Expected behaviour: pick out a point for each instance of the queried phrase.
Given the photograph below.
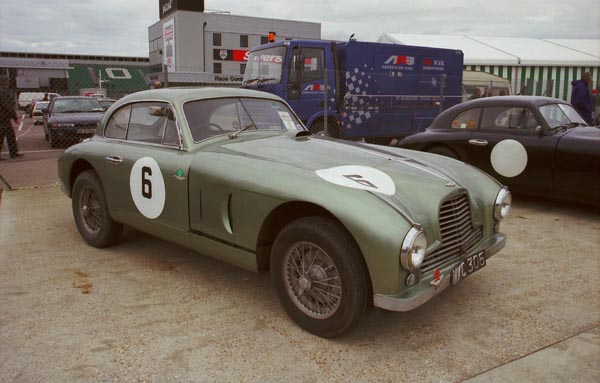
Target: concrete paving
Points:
(147, 310)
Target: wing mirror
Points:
(539, 131)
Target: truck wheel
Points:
(320, 277)
(444, 151)
(91, 212)
(318, 127)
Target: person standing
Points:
(8, 114)
(581, 97)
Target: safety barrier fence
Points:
(53, 115)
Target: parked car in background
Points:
(106, 102)
(38, 112)
(27, 100)
(535, 145)
(71, 118)
(234, 174)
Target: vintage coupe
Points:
(535, 145)
(234, 174)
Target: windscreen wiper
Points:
(235, 134)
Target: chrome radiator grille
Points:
(458, 233)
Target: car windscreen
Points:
(213, 117)
(265, 66)
(76, 105)
(557, 115)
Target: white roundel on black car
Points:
(359, 177)
(147, 187)
(509, 158)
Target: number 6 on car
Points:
(147, 187)
(233, 174)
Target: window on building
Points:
(216, 39)
(244, 41)
(217, 68)
(242, 68)
(264, 40)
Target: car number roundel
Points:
(147, 187)
(359, 177)
(509, 158)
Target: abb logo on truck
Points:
(400, 60)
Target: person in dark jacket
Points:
(8, 113)
(581, 97)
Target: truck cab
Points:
(358, 90)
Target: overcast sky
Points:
(120, 27)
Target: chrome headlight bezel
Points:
(502, 204)
(414, 248)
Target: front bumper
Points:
(421, 293)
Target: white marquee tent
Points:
(533, 66)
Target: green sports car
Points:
(234, 174)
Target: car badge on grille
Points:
(451, 184)
(437, 278)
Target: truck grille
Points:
(458, 233)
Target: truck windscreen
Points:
(265, 66)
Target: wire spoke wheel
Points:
(312, 280)
(90, 210)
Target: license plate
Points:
(86, 131)
(467, 267)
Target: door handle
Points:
(478, 142)
(114, 159)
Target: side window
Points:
(313, 64)
(117, 125)
(170, 137)
(507, 118)
(147, 122)
(467, 119)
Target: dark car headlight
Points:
(413, 249)
(502, 204)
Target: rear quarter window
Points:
(468, 119)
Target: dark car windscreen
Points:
(560, 114)
(213, 117)
(76, 105)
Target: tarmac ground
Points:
(146, 310)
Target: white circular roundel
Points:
(147, 187)
(359, 177)
(509, 158)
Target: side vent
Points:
(226, 213)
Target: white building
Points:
(533, 66)
(191, 45)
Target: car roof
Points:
(443, 120)
(182, 95)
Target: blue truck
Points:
(373, 90)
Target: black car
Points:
(535, 145)
(71, 118)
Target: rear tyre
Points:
(91, 212)
(318, 127)
(444, 151)
(320, 276)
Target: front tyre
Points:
(91, 212)
(320, 276)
